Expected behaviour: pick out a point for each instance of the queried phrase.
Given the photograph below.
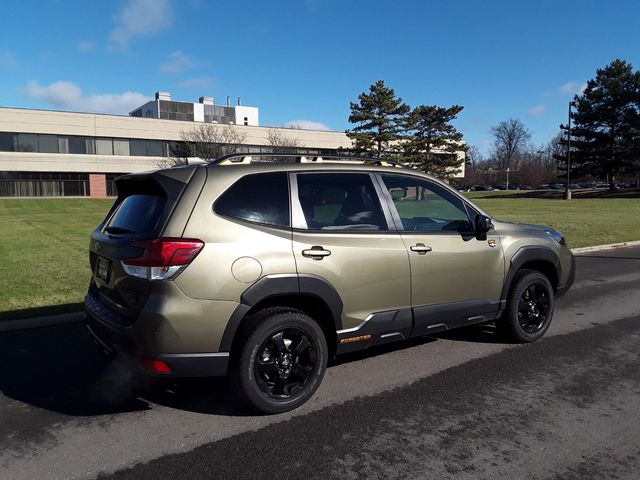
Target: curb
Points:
(611, 246)
(79, 317)
(41, 322)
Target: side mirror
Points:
(483, 224)
(398, 194)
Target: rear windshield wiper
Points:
(117, 230)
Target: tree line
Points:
(603, 143)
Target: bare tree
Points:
(277, 139)
(510, 139)
(206, 141)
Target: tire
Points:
(279, 360)
(529, 310)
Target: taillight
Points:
(163, 258)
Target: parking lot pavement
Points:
(461, 404)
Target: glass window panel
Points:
(27, 142)
(48, 143)
(77, 145)
(260, 198)
(104, 146)
(154, 148)
(138, 148)
(424, 206)
(7, 142)
(121, 146)
(63, 144)
(332, 201)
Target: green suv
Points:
(263, 271)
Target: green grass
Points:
(584, 222)
(44, 251)
(44, 259)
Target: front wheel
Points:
(529, 309)
(280, 360)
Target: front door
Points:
(456, 278)
(343, 235)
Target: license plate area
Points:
(103, 268)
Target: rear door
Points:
(145, 205)
(342, 234)
(456, 278)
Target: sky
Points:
(302, 62)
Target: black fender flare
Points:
(278, 285)
(524, 255)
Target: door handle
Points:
(421, 248)
(316, 252)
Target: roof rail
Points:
(247, 158)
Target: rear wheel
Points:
(529, 309)
(280, 360)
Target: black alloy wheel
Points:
(285, 362)
(533, 307)
(529, 308)
(279, 359)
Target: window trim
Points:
(468, 208)
(251, 222)
(299, 222)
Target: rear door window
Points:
(339, 201)
(137, 214)
(259, 198)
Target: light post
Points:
(567, 194)
(540, 153)
(507, 178)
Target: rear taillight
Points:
(163, 258)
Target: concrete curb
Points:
(611, 246)
(41, 322)
(79, 317)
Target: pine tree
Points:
(378, 118)
(432, 143)
(605, 135)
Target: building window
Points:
(27, 142)
(154, 148)
(121, 146)
(7, 142)
(138, 148)
(48, 143)
(104, 146)
(44, 184)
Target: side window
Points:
(424, 206)
(260, 198)
(339, 201)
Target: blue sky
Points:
(305, 60)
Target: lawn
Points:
(43, 243)
(43, 246)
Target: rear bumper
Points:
(113, 340)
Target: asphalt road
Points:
(460, 405)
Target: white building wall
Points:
(250, 113)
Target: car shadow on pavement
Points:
(481, 333)
(59, 369)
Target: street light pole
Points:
(507, 178)
(568, 191)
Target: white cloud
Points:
(86, 46)
(178, 62)
(69, 96)
(199, 82)
(140, 18)
(573, 87)
(538, 110)
(306, 125)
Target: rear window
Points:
(260, 198)
(137, 214)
